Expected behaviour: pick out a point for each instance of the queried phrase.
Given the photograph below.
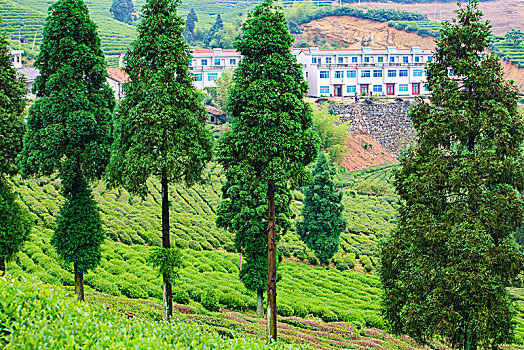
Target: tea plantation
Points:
(337, 307)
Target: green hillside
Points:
(28, 17)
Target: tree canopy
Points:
(122, 10)
(446, 266)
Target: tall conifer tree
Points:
(69, 129)
(160, 128)
(271, 140)
(446, 266)
(14, 222)
(243, 211)
(322, 221)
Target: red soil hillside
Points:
(352, 32)
(364, 151)
(503, 14)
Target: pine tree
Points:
(69, 129)
(160, 128)
(243, 211)
(271, 140)
(14, 223)
(322, 221)
(123, 10)
(190, 25)
(215, 28)
(445, 267)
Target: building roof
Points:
(117, 74)
(30, 73)
(214, 111)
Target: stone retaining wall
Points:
(388, 123)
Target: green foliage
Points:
(210, 301)
(79, 234)
(516, 36)
(445, 268)
(89, 326)
(167, 261)
(271, 137)
(322, 220)
(332, 133)
(211, 33)
(122, 10)
(224, 85)
(160, 126)
(243, 211)
(191, 19)
(15, 223)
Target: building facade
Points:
(336, 73)
(208, 65)
(366, 71)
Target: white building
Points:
(366, 71)
(338, 73)
(208, 65)
(16, 58)
(116, 78)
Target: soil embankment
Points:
(363, 152)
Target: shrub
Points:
(133, 291)
(284, 310)
(181, 296)
(210, 301)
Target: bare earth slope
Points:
(364, 151)
(503, 14)
(352, 32)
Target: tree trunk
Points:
(271, 265)
(260, 303)
(470, 343)
(167, 288)
(2, 267)
(79, 284)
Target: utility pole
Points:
(34, 41)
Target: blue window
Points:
(377, 74)
(341, 60)
(426, 87)
(197, 77)
(452, 73)
(212, 76)
(339, 74)
(324, 74)
(365, 74)
(430, 58)
(392, 59)
(403, 73)
(328, 59)
(204, 61)
(232, 61)
(354, 59)
(380, 59)
(405, 59)
(403, 88)
(313, 60)
(417, 59)
(217, 62)
(377, 88)
(417, 72)
(392, 73)
(351, 74)
(352, 89)
(366, 59)
(324, 89)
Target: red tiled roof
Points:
(118, 74)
